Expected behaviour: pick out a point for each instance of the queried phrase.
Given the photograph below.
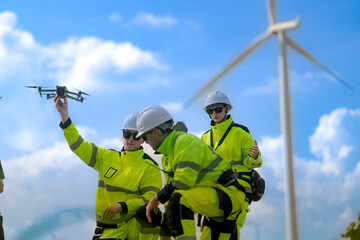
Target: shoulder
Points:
(236, 125)
(207, 132)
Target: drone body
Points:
(62, 92)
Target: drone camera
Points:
(61, 91)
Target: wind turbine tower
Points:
(279, 29)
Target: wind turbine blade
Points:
(299, 49)
(258, 41)
(271, 9)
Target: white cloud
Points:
(173, 106)
(348, 215)
(76, 62)
(114, 143)
(57, 156)
(152, 20)
(271, 152)
(328, 141)
(82, 61)
(115, 17)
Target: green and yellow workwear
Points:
(198, 181)
(232, 142)
(130, 178)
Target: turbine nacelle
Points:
(284, 26)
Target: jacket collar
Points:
(223, 125)
(166, 146)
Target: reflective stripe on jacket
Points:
(190, 160)
(125, 176)
(234, 148)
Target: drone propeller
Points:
(81, 99)
(81, 92)
(32, 86)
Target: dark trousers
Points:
(2, 237)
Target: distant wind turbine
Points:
(279, 29)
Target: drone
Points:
(62, 92)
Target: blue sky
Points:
(130, 55)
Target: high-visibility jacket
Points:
(2, 176)
(234, 148)
(190, 161)
(130, 178)
(195, 169)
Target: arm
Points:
(88, 152)
(250, 152)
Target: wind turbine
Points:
(279, 29)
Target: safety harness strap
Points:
(222, 138)
(224, 202)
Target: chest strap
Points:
(222, 138)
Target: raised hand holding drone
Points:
(62, 108)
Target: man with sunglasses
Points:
(127, 179)
(2, 176)
(234, 143)
(198, 180)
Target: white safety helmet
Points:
(130, 122)
(150, 118)
(215, 98)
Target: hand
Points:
(110, 211)
(1, 186)
(153, 204)
(254, 151)
(62, 108)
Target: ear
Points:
(156, 132)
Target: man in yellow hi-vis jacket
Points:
(2, 176)
(232, 142)
(127, 179)
(199, 180)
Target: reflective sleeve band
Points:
(93, 156)
(179, 185)
(75, 145)
(234, 163)
(110, 188)
(209, 168)
(247, 189)
(188, 164)
(144, 199)
(150, 188)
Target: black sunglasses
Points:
(127, 135)
(217, 110)
(144, 135)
